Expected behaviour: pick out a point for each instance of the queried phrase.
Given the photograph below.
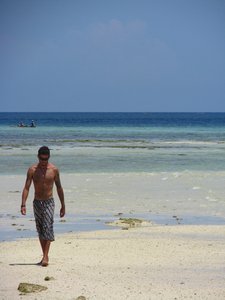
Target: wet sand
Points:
(164, 197)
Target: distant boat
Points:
(22, 125)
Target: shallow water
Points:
(115, 142)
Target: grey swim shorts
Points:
(44, 218)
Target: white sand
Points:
(159, 262)
(156, 262)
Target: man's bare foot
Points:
(44, 262)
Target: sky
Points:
(112, 55)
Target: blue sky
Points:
(112, 55)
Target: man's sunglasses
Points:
(43, 158)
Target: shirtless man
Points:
(43, 175)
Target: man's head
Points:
(44, 154)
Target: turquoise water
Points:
(114, 142)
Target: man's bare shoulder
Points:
(31, 170)
(33, 167)
(53, 167)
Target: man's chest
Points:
(46, 175)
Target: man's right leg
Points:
(45, 245)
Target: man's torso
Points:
(43, 179)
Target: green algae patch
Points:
(27, 288)
(132, 222)
(127, 223)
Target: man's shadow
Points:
(25, 264)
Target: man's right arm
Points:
(26, 190)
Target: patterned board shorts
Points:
(44, 218)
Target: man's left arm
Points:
(60, 193)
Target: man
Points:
(43, 175)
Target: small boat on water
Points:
(22, 125)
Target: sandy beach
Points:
(157, 262)
(180, 254)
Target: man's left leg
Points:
(45, 247)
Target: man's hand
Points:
(62, 211)
(23, 210)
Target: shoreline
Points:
(166, 198)
(18, 228)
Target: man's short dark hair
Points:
(44, 150)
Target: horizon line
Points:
(157, 112)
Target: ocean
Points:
(141, 164)
(114, 142)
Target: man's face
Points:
(43, 159)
